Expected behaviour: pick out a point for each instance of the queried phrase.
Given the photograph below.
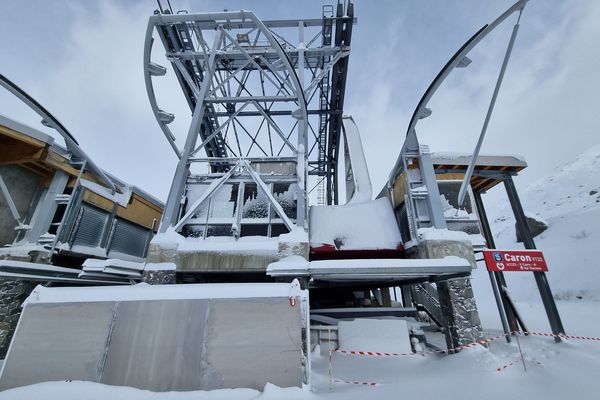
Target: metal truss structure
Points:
(424, 208)
(261, 93)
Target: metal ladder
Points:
(68, 200)
(417, 192)
(425, 298)
(324, 89)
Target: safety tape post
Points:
(330, 361)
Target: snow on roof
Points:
(370, 225)
(121, 199)
(93, 263)
(144, 291)
(297, 266)
(441, 234)
(164, 266)
(482, 159)
(25, 129)
(246, 244)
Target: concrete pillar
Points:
(159, 274)
(459, 310)
(12, 295)
(387, 297)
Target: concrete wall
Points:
(211, 261)
(457, 301)
(22, 185)
(12, 295)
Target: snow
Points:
(563, 201)
(21, 249)
(453, 156)
(370, 225)
(165, 266)
(143, 291)
(563, 374)
(374, 335)
(95, 264)
(296, 235)
(290, 263)
(441, 234)
(120, 198)
(451, 212)
(360, 173)
(89, 250)
(245, 245)
(296, 265)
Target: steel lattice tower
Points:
(261, 93)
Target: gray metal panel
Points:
(160, 345)
(129, 238)
(46, 207)
(22, 185)
(157, 345)
(253, 341)
(91, 226)
(57, 342)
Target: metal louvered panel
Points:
(90, 227)
(129, 238)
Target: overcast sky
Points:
(83, 61)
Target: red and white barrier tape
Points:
(375, 353)
(560, 335)
(502, 368)
(362, 383)
(466, 346)
(386, 354)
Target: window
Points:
(463, 218)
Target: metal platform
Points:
(372, 271)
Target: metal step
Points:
(63, 198)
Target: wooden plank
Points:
(38, 168)
(399, 190)
(450, 176)
(98, 201)
(141, 212)
(21, 137)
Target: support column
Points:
(457, 301)
(459, 312)
(507, 317)
(540, 277)
(46, 207)
(159, 273)
(387, 297)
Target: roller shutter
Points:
(92, 222)
(129, 238)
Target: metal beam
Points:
(467, 179)
(9, 200)
(540, 277)
(177, 187)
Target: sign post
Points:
(540, 277)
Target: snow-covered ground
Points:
(566, 200)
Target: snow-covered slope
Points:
(568, 199)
